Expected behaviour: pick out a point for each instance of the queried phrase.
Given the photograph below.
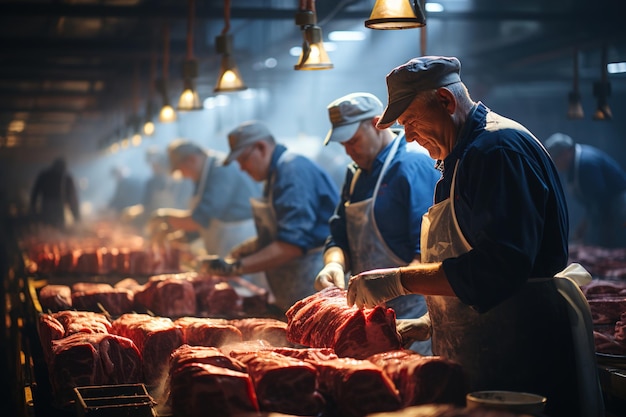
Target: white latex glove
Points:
(371, 288)
(577, 273)
(331, 275)
(412, 330)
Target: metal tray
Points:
(114, 401)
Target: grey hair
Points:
(458, 90)
(179, 149)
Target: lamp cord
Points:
(226, 17)
(190, 16)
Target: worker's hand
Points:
(412, 330)
(331, 275)
(157, 228)
(245, 248)
(371, 288)
(221, 266)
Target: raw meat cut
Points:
(82, 322)
(186, 354)
(112, 301)
(423, 379)
(325, 320)
(170, 295)
(155, 337)
(92, 359)
(283, 384)
(222, 299)
(606, 310)
(356, 388)
(55, 297)
(200, 390)
(199, 331)
(272, 330)
(306, 354)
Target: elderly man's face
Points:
(364, 146)
(429, 123)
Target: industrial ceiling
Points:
(72, 70)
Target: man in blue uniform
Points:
(219, 209)
(386, 191)
(291, 219)
(491, 245)
(598, 183)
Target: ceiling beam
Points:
(207, 11)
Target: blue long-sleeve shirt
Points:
(510, 207)
(405, 194)
(303, 197)
(226, 194)
(600, 178)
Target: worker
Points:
(219, 209)
(161, 190)
(291, 218)
(54, 198)
(598, 183)
(386, 191)
(494, 247)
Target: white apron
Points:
(220, 237)
(532, 330)
(163, 197)
(292, 281)
(368, 249)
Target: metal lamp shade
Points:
(314, 55)
(396, 14)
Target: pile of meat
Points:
(84, 348)
(325, 320)
(601, 262)
(170, 295)
(196, 364)
(255, 376)
(103, 260)
(607, 302)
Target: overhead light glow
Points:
(167, 114)
(616, 67)
(136, 139)
(295, 51)
(16, 126)
(346, 35)
(148, 128)
(434, 7)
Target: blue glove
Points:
(223, 267)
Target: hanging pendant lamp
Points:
(396, 14)
(602, 91)
(189, 99)
(167, 114)
(313, 55)
(229, 78)
(575, 108)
